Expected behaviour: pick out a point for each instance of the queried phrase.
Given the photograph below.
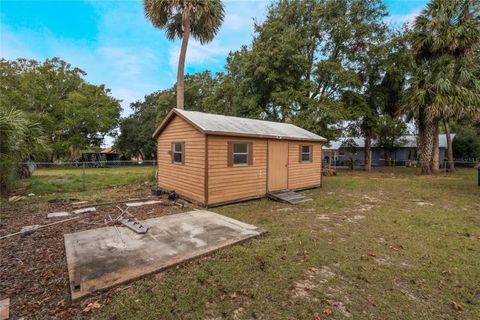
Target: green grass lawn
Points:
(378, 246)
(54, 180)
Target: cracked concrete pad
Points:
(101, 258)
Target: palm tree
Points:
(21, 140)
(445, 40)
(180, 18)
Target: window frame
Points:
(231, 153)
(301, 153)
(173, 152)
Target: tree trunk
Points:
(181, 62)
(368, 150)
(451, 165)
(435, 151)
(425, 137)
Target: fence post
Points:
(83, 176)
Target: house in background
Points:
(213, 159)
(106, 155)
(339, 152)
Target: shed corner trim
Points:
(169, 118)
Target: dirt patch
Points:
(370, 199)
(423, 203)
(365, 207)
(407, 290)
(318, 278)
(34, 271)
(387, 261)
(301, 288)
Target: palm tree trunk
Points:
(451, 165)
(425, 135)
(435, 151)
(181, 62)
(368, 150)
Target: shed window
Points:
(239, 153)
(305, 153)
(178, 152)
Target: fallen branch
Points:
(111, 203)
(41, 227)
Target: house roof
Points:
(410, 142)
(235, 126)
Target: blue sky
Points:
(115, 44)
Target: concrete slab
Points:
(101, 258)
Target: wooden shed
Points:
(213, 159)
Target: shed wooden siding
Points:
(238, 182)
(303, 174)
(186, 179)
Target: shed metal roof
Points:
(227, 125)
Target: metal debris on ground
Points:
(28, 229)
(144, 203)
(134, 225)
(107, 203)
(4, 309)
(85, 210)
(79, 203)
(123, 212)
(16, 198)
(58, 214)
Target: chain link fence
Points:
(49, 177)
(347, 164)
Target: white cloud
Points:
(237, 22)
(11, 47)
(401, 19)
(198, 54)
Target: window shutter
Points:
(183, 152)
(311, 153)
(250, 153)
(230, 154)
(300, 153)
(172, 146)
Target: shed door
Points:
(277, 165)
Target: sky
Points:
(117, 46)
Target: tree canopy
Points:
(73, 114)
